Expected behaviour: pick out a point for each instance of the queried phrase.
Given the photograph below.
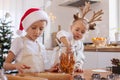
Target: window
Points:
(113, 18)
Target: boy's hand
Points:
(55, 68)
(21, 67)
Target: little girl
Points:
(72, 39)
(28, 54)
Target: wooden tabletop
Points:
(87, 73)
(16, 77)
(55, 76)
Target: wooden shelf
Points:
(102, 49)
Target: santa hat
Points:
(30, 16)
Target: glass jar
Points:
(96, 76)
(67, 60)
(78, 77)
(111, 77)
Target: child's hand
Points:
(79, 70)
(69, 49)
(21, 67)
(55, 68)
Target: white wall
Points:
(102, 27)
(65, 17)
(119, 13)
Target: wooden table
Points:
(16, 77)
(87, 73)
(54, 76)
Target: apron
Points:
(34, 60)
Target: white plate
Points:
(99, 70)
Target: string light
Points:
(52, 17)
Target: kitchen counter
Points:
(102, 56)
(102, 49)
(55, 76)
(41, 76)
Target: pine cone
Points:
(115, 62)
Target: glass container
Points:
(67, 60)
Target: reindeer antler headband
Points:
(95, 17)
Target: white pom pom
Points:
(19, 32)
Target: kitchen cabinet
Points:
(91, 60)
(94, 59)
(99, 59)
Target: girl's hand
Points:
(55, 68)
(79, 70)
(21, 67)
(69, 49)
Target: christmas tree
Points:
(5, 37)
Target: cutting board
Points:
(50, 76)
(11, 77)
